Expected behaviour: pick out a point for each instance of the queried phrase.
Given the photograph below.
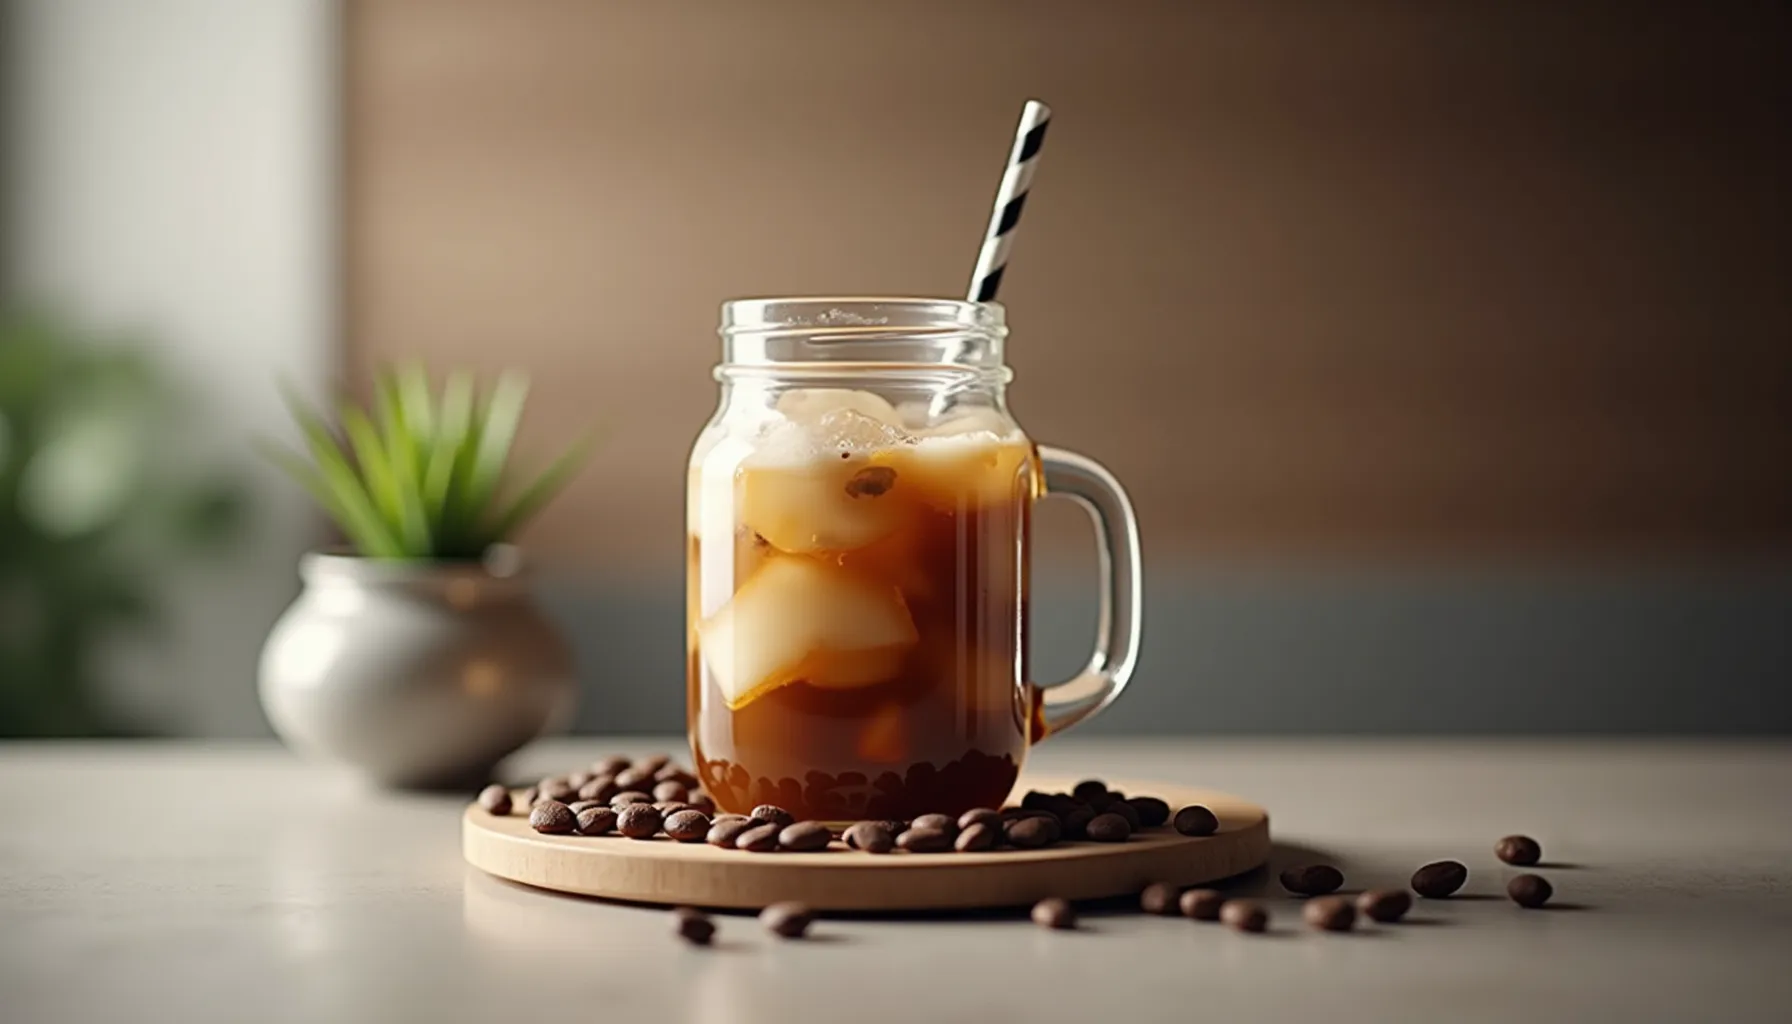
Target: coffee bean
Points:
(1076, 821)
(670, 790)
(924, 840)
(786, 920)
(759, 838)
(724, 833)
(1159, 898)
(528, 797)
(579, 805)
(1330, 914)
(1312, 879)
(635, 778)
(1438, 880)
(578, 779)
(871, 837)
(692, 926)
(495, 799)
(612, 765)
(558, 789)
(595, 821)
(1089, 788)
(1127, 811)
(1520, 850)
(938, 822)
(1036, 800)
(804, 837)
(981, 836)
(1384, 905)
(603, 787)
(638, 821)
(686, 826)
(629, 796)
(653, 763)
(1054, 913)
(668, 808)
(1032, 833)
(1152, 811)
(1244, 916)
(1530, 891)
(702, 802)
(1195, 820)
(1108, 827)
(772, 814)
(980, 815)
(552, 817)
(675, 773)
(1201, 904)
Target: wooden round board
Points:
(697, 874)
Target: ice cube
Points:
(800, 620)
(831, 504)
(974, 468)
(809, 405)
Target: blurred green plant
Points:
(419, 477)
(98, 508)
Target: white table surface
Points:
(190, 883)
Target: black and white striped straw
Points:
(1010, 198)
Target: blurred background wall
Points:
(1447, 349)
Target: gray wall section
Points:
(1272, 652)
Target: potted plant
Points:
(417, 655)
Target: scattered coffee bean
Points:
(786, 920)
(980, 815)
(1054, 913)
(1159, 898)
(1438, 880)
(579, 805)
(595, 821)
(772, 814)
(981, 836)
(1330, 913)
(1195, 820)
(529, 796)
(1127, 811)
(612, 765)
(653, 762)
(1384, 905)
(1108, 827)
(552, 817)
(759, 838)
(558, 789)
(603, 787)
(674, 773)
(1036, 800)
(495, 799)
(577, 780)
(1032, 833)
(1152, 811)
(724, 833)
(924, 840)
(1244, 916)
(1076, 821)
(629, 796)
(687, 826)
(1312, 879)
(1520, 850)
(871, 837)
(1530, 891)
(670, 790)
(668, 808)
(938, 822)
(702, 802)
(1201, 904)
(1089, 788)
(693, 926)
(638, 821)
(805, 837)
(635, 778)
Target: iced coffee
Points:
(857, 638)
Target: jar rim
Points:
(887, 330)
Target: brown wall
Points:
(1313, 279)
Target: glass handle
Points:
(1089, 484)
